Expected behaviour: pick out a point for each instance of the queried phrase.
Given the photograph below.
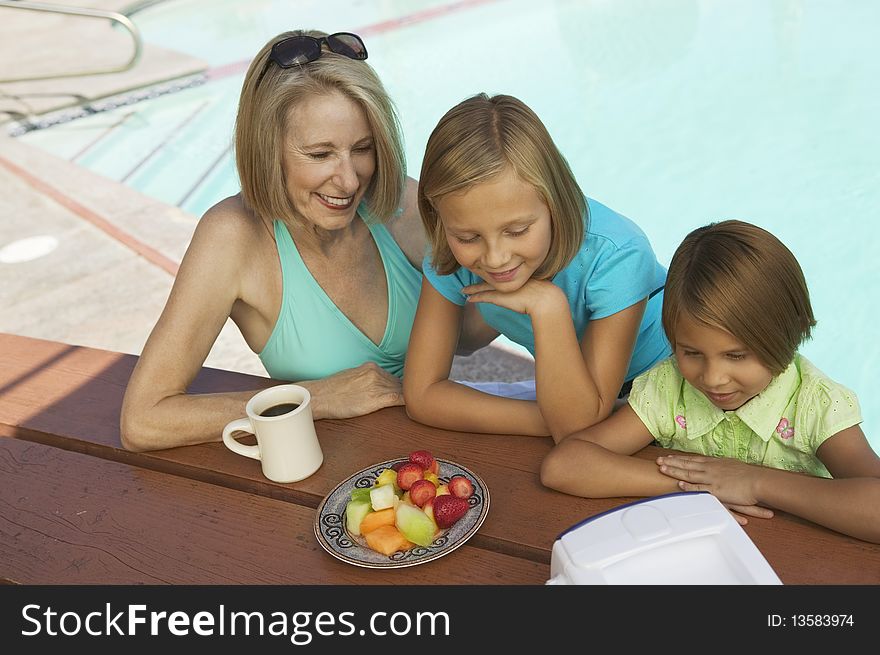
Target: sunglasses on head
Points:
(300, 50)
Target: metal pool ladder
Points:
(86, 12)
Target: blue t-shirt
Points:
(614, 269)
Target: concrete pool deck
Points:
(109, 253)
(24, 35)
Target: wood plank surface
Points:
(68, 518)
(70, 397)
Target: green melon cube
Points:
(355, 512)
(361, 493)
(415, 524)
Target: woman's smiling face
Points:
(329, 159)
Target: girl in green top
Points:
(770, 430)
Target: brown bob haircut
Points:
(264, 111)
(478, 139)
(740, 278)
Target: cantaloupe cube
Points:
(375, 520)
(387, 540)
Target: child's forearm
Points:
(583, 468)
(568, 395)
(447, 404)
(847, 505)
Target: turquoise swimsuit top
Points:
(313, 339)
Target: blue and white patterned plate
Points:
(335, 539)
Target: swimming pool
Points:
(673, 113)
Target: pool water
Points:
(673, 113)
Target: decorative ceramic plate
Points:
(336, 540)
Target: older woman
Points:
(316, 260)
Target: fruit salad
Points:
(407, 505)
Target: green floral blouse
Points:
(782, 427)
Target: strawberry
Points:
(422, 491)
(423, 458)
(460, 486)
(448, 509)
(407, 474)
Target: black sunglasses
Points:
(300, 50)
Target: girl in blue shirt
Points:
(571, 280)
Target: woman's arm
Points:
(598, 462)
(848, 503)
(156, 411)
(433, 399)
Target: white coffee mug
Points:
(287, 445)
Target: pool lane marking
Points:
(421, 16)
(103, 135)
(166, 140)
(238, 67)
(139, 247)
(204, 175)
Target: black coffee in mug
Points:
(278, 410)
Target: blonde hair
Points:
(740, 278)
(478, 139)
(263, 116)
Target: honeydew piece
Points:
(355, 512)
(382, 497)
(415, 525)
(375, 520)
(361, 493)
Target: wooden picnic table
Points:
(79, 509)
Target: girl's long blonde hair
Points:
(478, 139)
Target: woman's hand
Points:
(729, 480)
(530, 298)
(354, 392)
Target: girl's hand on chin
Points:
(477, 288)
(532, 297)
